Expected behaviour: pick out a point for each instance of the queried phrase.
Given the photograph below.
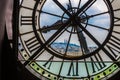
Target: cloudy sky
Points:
(98, 7)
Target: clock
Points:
(69, 39)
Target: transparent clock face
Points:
(70, 39)
(73, 41)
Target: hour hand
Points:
(82, 40)
(54, 26)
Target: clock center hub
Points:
(75, 20)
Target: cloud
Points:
(98, 7)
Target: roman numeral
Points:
(32, 44)
(49, 62)
(117, 19)
(73, 69)
(114, 46)
(97, 62)
(113, 50)
(115, 40)
(27, 20)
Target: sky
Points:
(98, 7)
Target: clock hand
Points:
(89, 34)
(82, 40)
(79, 32)
(57, 24)
(54, 26)
(98, 14)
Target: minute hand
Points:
(85, 7)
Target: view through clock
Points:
(70, 39)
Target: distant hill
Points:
(62, 47)
(72, 48)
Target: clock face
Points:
(70, 39)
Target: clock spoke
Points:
(37, 53)
(95, 15)
(68, 42)
(79, 4)
(62, 7)
(85, 7)
(99, 27)
(53, 14)
(57, 35)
